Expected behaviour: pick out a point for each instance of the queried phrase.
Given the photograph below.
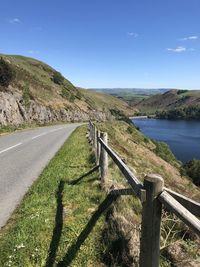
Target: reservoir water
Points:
(183, 137)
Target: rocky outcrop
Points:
(14, 112)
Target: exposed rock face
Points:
(14, 112)
(9, 109)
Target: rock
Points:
(9, 109)
(14, 112)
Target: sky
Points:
(108, 43)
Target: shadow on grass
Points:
(76, 181)
(77, 166)
(59, 218)
(73, 249)
(58, 227)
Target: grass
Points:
(104, 102)
(50, 226)
(13, 128)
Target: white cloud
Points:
(33, 52)
(133, 34)
(15, 20)
(193, 37)
(178, 49)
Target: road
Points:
(23, 156)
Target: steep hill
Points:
(144, 156)
(170, 100)
(41, 94)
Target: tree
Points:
(7, 74)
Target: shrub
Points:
(179, 92)
(192, 169)
(163, 151)
(119, 115)
(7, 74)
(130, 129)
(26, 96)
(79, 95)
(65, 93)
(58, 78)
(68, 95)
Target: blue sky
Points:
(108, 43)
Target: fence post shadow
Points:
(76, 181)
(73, 249)
(58, 227)
(57, 231)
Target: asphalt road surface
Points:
(23, 156)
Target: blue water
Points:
(183, 137)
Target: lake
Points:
(183, 137)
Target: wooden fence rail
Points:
(153, 195)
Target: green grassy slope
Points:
(102, 101)
(36, 77)
(170, 100)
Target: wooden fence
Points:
(153, 195)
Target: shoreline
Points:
(143, 117)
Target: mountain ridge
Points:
(170, 100)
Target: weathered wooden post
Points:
(95, 141)
(90, 131)
(151, 221)
(98, 147)
(103, 159)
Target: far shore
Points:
(143, 117)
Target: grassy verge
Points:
(20, 127)
(12, 128)
(49, 227)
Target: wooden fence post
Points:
(90, 131)
(151, 221)
(104, 159)
(98, 147)
(95, 141)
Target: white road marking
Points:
(51, 131)
(38, 136)
(56, 129)
(35, 137)
(9, 148)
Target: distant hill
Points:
(172, 99)
(131, 95)
(39, 93)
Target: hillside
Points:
(179, 246)
(38, 93)
(131, 95)
(170, 100)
